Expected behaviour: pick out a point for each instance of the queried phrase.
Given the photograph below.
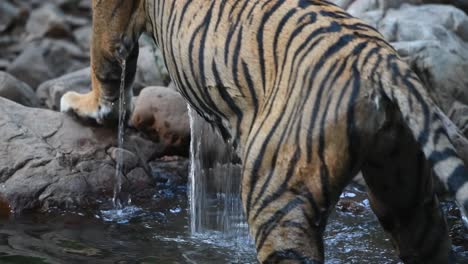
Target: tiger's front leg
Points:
(117, 26)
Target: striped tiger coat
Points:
(309, 95)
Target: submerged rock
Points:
(48, 159)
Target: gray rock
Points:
(17, 91)
(4, 64)
(8, 14)
(47, 59)
(48, 21)
(171, 172)
(431, 39)
(51, 91)
(151, 69)
(129, 160)
(47, 159)
(82, 36)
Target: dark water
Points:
(158, 232)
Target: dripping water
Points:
(215, 206)
(120, 140)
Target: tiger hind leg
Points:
(402, 196)
(288, 209)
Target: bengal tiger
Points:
(309, 96)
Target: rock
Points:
(51, 91)
(462, 4)
(433, 39)
(47, 59)
(47, 159)
(17, 91)
(434, 46)
(8, 14)
(170, 172)
(129, 160)
(82, 36)
(161, 113)
(48, 21)
(151, 69)
(459, 115)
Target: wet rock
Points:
(138, 180)
(48, 21)
(51, 91)
(161, 113)
(47, 59)
(17, 91)
(47, 159)
(129, 160)
(170, 171)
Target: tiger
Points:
(309, 96)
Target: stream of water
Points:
(120, 140)
(215, 206)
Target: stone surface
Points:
(17, 91)
(51, 91)
(432, 38)
(47, 59)
(435, 46)
(47, 159)
(48, 21)
(161, 113)
(151, 70)
(82, 36)
(8, 14)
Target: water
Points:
(215, 206)
(120, 140)
(156, 231)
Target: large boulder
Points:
(47, 159)
(17, 91)
(162, 114)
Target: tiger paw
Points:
(85, 106)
